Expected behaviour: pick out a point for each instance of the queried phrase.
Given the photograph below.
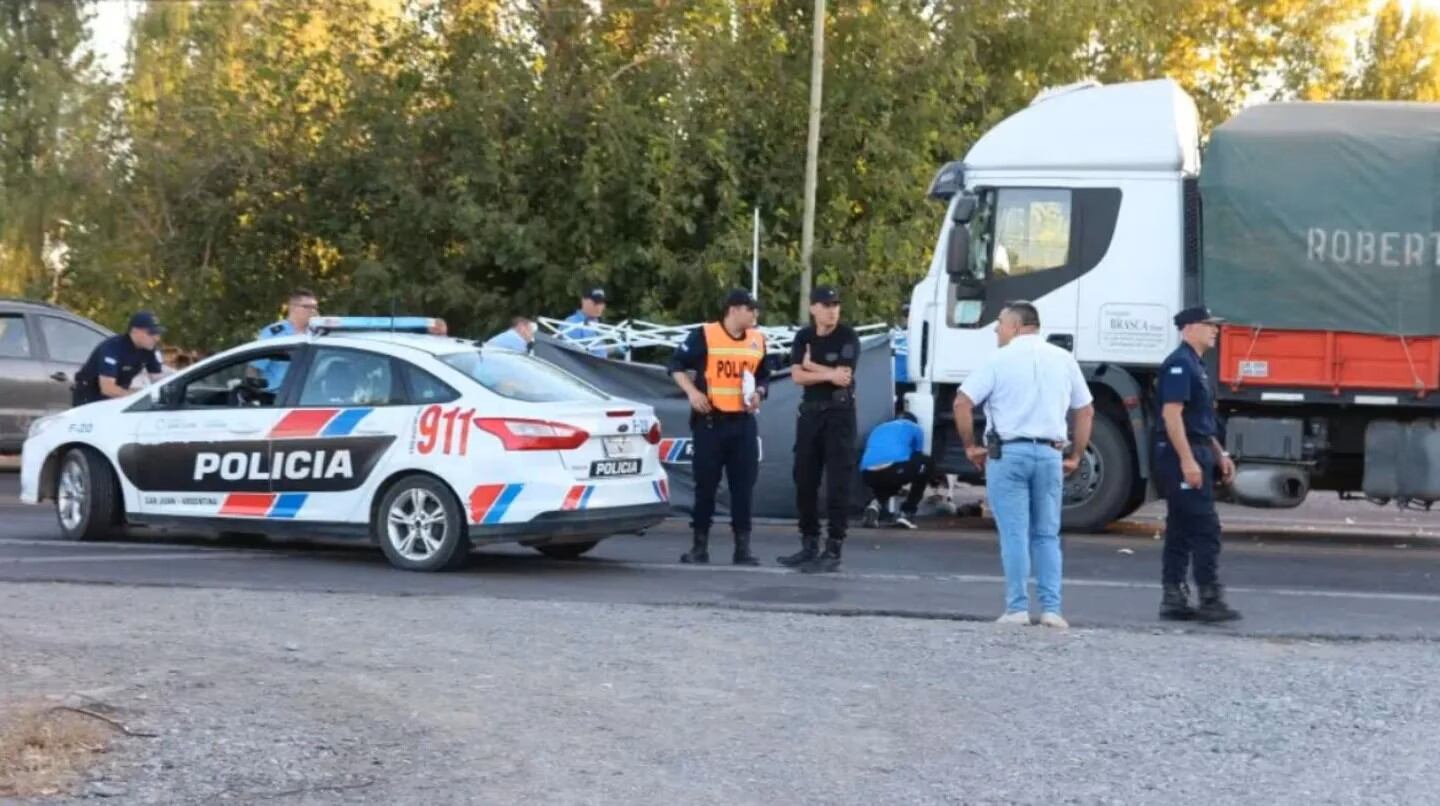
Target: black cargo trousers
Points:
(727, 443)
(824, 443)
(1192, 527)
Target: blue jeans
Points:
(1024, 490)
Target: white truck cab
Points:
(1085, 204)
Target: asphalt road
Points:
(1301, 573)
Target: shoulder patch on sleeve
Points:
(277, 328)
(1177, 370)
(110, 360)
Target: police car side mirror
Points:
(169, 395)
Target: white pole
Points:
(755, 259)
(812, 153)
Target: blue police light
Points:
(373, 324)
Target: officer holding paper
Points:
(732, 374)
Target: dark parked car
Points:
(41, 347)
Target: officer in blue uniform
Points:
(900, 350)
(1188, 459)
(722, 417)
(577, 325)
(299, 309)
(115, 362)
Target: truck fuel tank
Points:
(1402, 460)
(1270, 486)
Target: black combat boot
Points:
(809, 550)
(1212, 606)
(1175, 603)
(699, 553)
(742, 550)
(827, 563)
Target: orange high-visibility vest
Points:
(726, 360)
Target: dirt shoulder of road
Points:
(246, 697)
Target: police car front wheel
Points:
(421, 527)
(87, 497)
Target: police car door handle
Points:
(238, 428)
(59, 376)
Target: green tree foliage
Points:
(47, 95)
(1400, 59)
(478, 158)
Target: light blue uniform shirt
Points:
(577, 331)
(900, 347)
(509, 340)
(273, 371)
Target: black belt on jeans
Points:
(1032, 440)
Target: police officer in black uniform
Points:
(1188, 458)
(823, 358)
(115, 362)
(732, 374)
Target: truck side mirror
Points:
(957, 251)
(964, 209)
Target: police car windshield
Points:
(520, 377)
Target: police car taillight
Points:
(533, 435)
(653, 435)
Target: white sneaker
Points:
(1054, 620)
(872, 515)
(903, 521)
(1018, 618)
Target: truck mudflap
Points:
(1402, 461)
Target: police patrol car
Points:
(425, 444)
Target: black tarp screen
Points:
(775, 487)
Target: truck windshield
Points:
(520, 377)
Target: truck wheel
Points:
(566, 551)
(421, 527)
(1099, 491)
(87, 497)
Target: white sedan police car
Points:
(425, 444)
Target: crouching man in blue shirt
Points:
(895, 457)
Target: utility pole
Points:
(812, 154)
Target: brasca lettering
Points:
(258, 466)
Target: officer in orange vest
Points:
(731, 378)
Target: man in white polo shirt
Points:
(1028, 387)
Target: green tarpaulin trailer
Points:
(1324, 216)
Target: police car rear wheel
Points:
(86, 496)
(420, 526)
(566, 551)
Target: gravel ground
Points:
(325, 698)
